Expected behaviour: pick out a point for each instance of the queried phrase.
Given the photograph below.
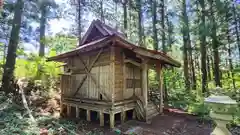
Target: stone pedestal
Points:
(222, 109)
(220, 128)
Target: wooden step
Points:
(140, 111)
(152, 111)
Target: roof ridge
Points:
(110, 30)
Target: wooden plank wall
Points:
(132, 72)
(137, 75)
(129, 91)
(100, 72)
(66, 83)
(133, 81)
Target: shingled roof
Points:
(100, 35)
(100, 30)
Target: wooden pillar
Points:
(123, 116)
(112, 69)
(101, 115)
(77, 112)
(134, 115)
(145, 84)
(68, 110)
(61, 108)
(160, 70)
(124, 74)
(88, 115)
(112, 120)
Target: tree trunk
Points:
(231, 66)
(79, 20)
(8, 77)
(140, 27)
(194, 80)
(42, 30)
(212, 63)
(154, 22)
(164, 49)
(125, 16)
(102, 12)
(170, 39)
(197, 63)
(162, 9)
(185, 45)
(209, 69)
(130, 5)
(4, 53)
(203, 46)
(236, 27)
(215, 47)
(230, 54)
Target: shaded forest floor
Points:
(15, 120)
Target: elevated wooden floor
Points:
(103, 107)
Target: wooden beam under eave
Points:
(132, 62)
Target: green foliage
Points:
(14, 120)
(61, 43)
(29, 67)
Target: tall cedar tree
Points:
(209, 68)
(140, 25)
(102, 11)
(170, 41)
(164, 48)
(185, 32)
(215, 44)
(125, 23)
(202, 34)
(236, 23)
(170, 36)
(162, 5)
(154, 23)
(153, 6)
(7, 79)
(131, 17)
(227, 19)
(43, 8)
(79, 19)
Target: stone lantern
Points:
(222, 110)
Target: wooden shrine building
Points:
(107, 74)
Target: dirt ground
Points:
(172, 122)
(168, 124)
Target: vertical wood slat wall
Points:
(108, 72)
(89, 89)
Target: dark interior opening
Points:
(72, 112)
(129, 115)
(100, 96)
(118, 118)
(106, 119)
(64, 111)
(94, 116)
(82, 114)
